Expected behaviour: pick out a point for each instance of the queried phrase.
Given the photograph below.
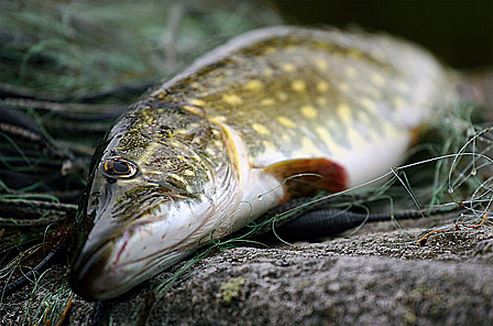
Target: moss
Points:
(409, 318)
(426, 301)
(231, 289)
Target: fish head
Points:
(150, 199)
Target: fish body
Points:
(273, 114)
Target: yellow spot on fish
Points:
(268, 102)
(286, 122)
(350, 72)
(369, 105)
(196, 102)
(327, 139)
(377, 79)
(353, 53)
(309, 111)
(322, 101)
(189, 173)
(177, 177)
(398, 103)
(181, 131)
(344, 112)
(391, 130)
(308, 146)
(260, 128)
(268, 72)
(210, 151)
(269, 146)
(232, 99)
(218, 80)
(322, 86)
(253, 85)
(193, 110)
(144, 170)
(355, 138)
(321, 64)
(270, 50)
(149, 152)
(219, 118)
(288, 67)
(298, 85)
(323, 133)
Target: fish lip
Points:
(98, 273)
(95, 278)
(84, 273)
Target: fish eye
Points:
(118, 168)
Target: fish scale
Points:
(359, 74)
(274, 114)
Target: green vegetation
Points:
(231, 290)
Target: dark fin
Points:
(319, 223)
(305, 176)
(326, 222)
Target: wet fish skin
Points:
(180, 162)
(275, 113)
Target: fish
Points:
(273, 114)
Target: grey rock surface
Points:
(381, 276)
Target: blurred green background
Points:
(458, 32)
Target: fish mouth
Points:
(98, 273)
(116, 257)
(85, 275)
(97, 276)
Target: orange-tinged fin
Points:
(417, 134)
(305, 176)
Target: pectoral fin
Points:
(305, 176)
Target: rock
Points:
(382, 277)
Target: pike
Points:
(274, 114)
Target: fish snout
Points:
(85, 274)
